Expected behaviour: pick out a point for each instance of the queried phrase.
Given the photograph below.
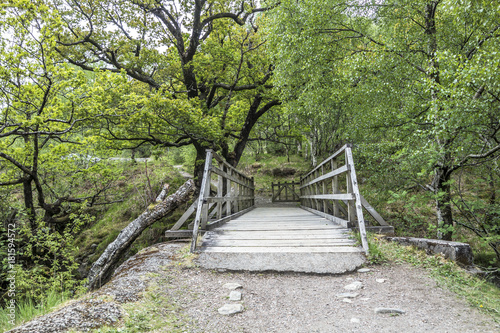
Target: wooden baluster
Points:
(323, 183)
(220, 191)
(229, 194)
(201, 199)
(351, 212)
(335, 189)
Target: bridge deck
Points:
(280, 239)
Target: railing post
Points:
(229, 194)
(359, 208)
(335, 189)
(252, 191)
(323, 184)
(201, 199)
(220, 191)
(351, 215)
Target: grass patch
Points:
(27, 310)
(261, 168)
(479, 293)
(155, 311)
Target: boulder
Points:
(459, 252)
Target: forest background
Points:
(86, 85)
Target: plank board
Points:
(278, 242)
(278, 228)
(284, 249)
(264, 236)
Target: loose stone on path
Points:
(356, 285)
(347, 295)
(363, 270)
(389, 310)
(229, 309)
(232, 286)
(235, 296)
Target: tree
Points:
(413, 76)
(201, 70)
(48, 164)
(44, 105)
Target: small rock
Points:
(356, 285)
(235, 295)
(363, 270)
(347, 295)
(380, 280)
(232, 286)
(229, 309)
(347, 300)
(355, 320)
(389, 310)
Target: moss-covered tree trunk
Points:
(101, 270)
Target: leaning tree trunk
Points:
(101, 270)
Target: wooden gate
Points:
(285, 192)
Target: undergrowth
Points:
(27, 309)
(155, 311)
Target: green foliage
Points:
(28, 309)
(415, 81)
(50, 264)
(155, 310)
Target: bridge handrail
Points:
(235, 193)
(315, 195)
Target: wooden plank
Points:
(181, 233)
(296, 227)
(220, 190)
(227, 165)
(185, 216)
(277, 242)
(338, 152)
(224, 199)
(228, 176)
(373, 212)
(223, 220)
(359, 209)
(338, 220)
(283, 249)
(338, 196)
(266, 235)
(201, 199)
(327, 176)
(286, 233)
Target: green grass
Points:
(478, 292)
(134, 190)
(155, 311)
(260, 167)
(27, 310)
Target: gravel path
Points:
(309, 303)
(271, 302)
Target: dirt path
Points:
(305, 303)
(272, 302)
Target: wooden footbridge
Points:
(230, 232)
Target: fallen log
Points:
(102, 269)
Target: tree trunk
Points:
(101, 270)
(28, 201)
(199, 165)
(443, 204)
(312, 152)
